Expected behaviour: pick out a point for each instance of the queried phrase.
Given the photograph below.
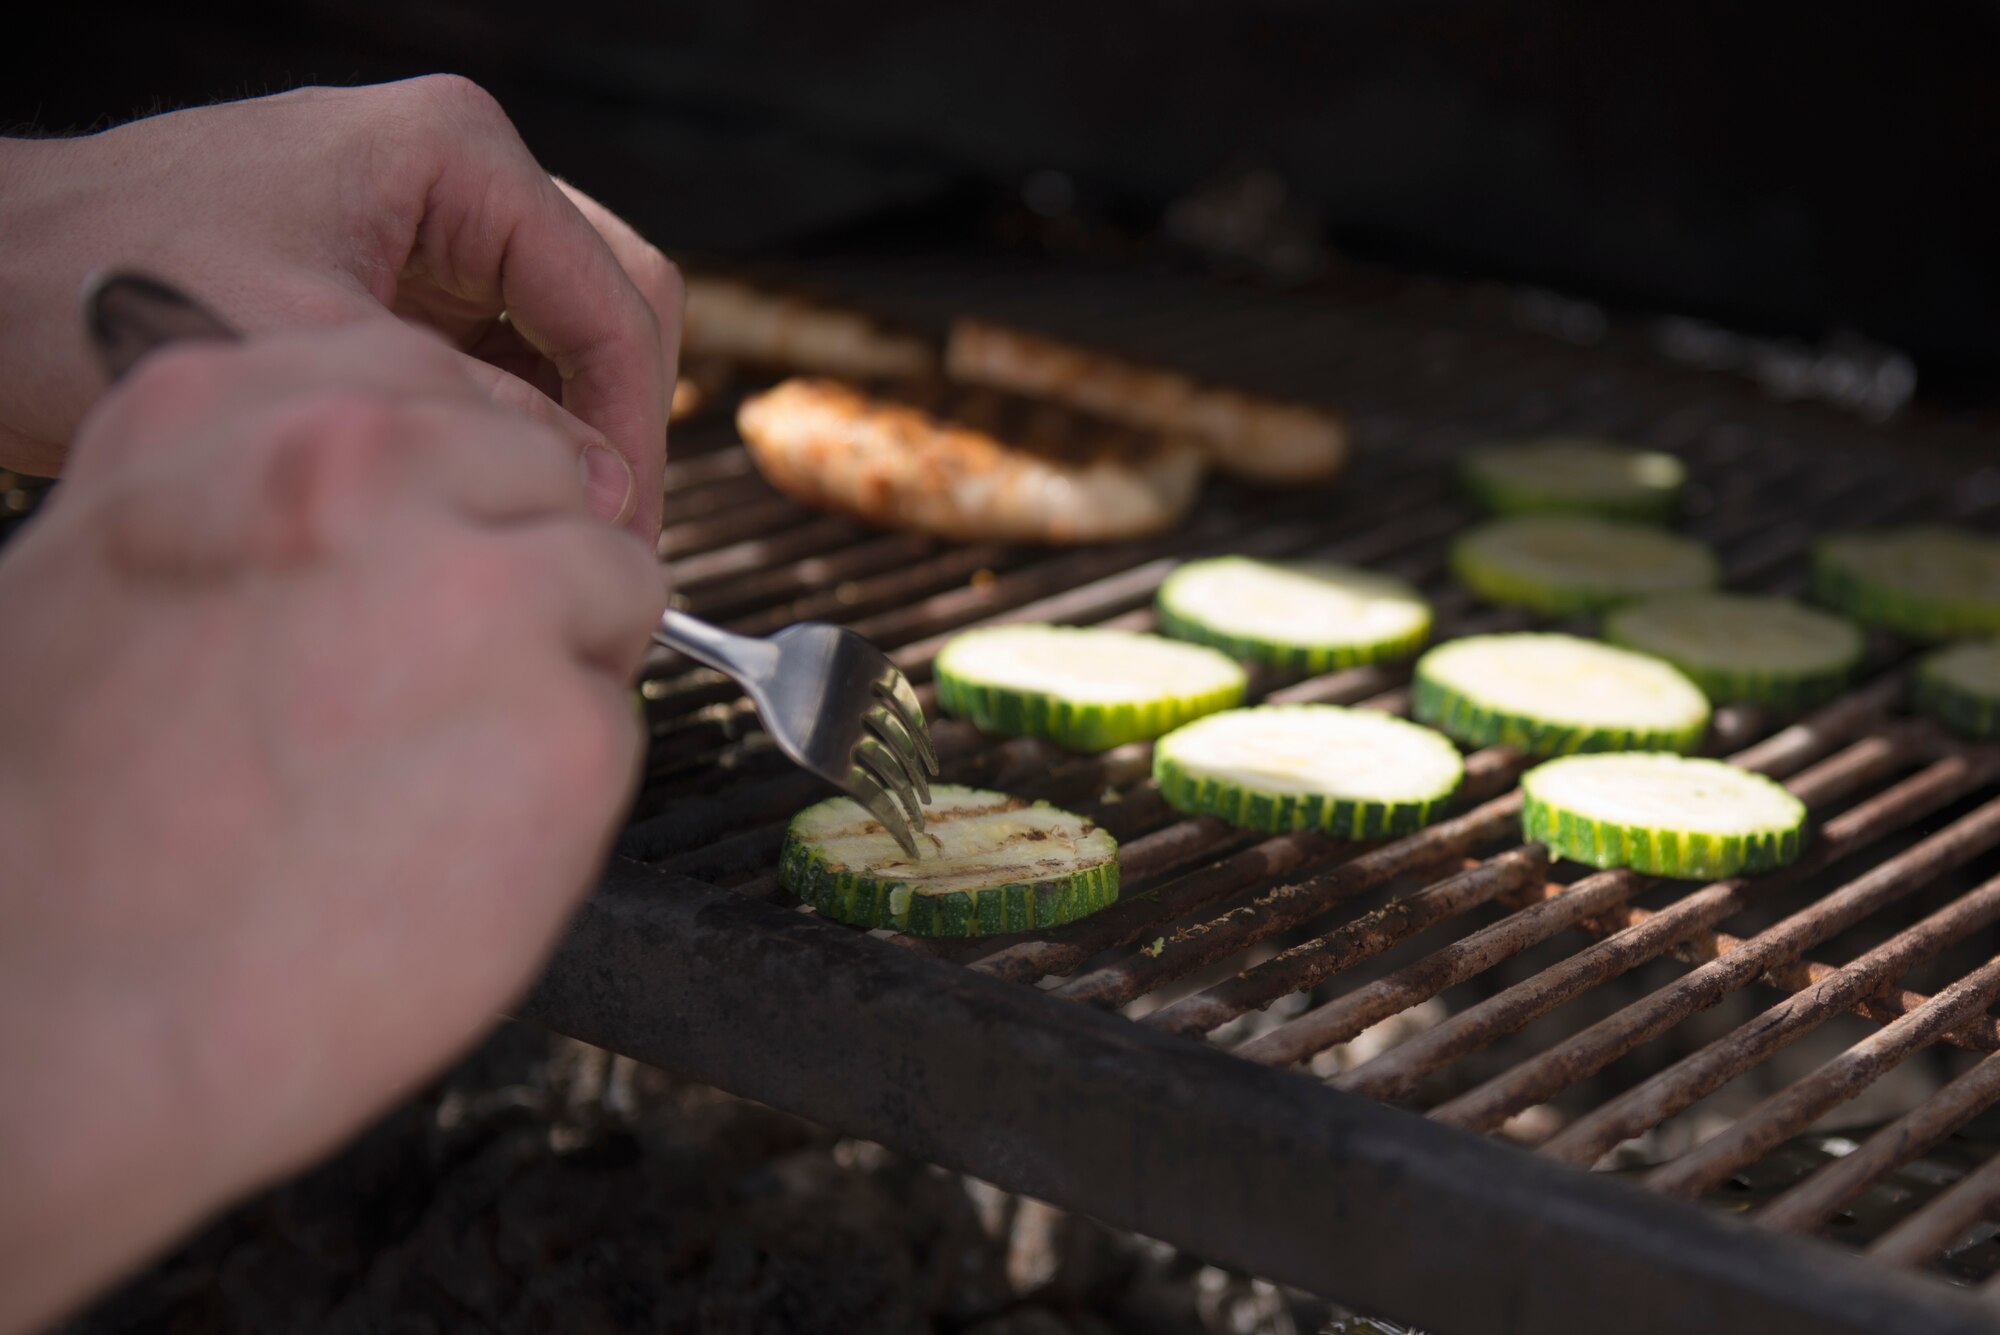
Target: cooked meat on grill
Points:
(1260, 439)
(968, 462)
(726, 318)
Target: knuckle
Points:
(459, 98)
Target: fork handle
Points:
(738, 656)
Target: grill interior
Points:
(1813, 1049)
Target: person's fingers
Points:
(497, 230)
(607, 477)
(658, 279)
(188, 389)
(326, 470)
(604, 590)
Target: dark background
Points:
(1794, 169)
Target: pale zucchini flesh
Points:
(1563, 564)
(1349, 773)
(1743, 648)
(1960, 687)
(1083, 688)
(1664, 815)
(1554, 694)
(986, 863)
(1573, 475)
(1927, 582)
(1303, 616)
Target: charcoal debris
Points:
(543, 1184)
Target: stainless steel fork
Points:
(834, 705)
(829, 699)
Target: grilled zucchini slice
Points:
(1561, 564)
(1553, 694)
(1664, 815)
(1926, 581)
(1961, 686)
(1744, 649)
(986, 863)
(1350, 773)
(1083, 688)
(1573, 475)
(1307, 616)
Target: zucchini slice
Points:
(1663, 815)
(1083, 688)
(1552, 694)
(1926, 581)
(1744, 649)
(1573, 475)
(1309, 616)
(1961, 687)
(1560, 564)
(986, 863)
(1350, 773)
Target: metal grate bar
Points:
(1789, 1111)
(1396, 1072)
(1341, 1019)
(1823, 1195)
(1681, 1084)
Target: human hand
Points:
(332, 205)
(316, 723)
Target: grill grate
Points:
(1582, 1015)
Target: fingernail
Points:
(607, 482)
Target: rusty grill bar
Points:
(1575, 1000)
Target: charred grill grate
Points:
(1684, 1034)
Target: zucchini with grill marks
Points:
(1083, 688)
(1562, 564)
(1553, 694)
(1744, 649)
(1307, 616)
(987, 863)
(1573, 475)
(1664, 815)
(1960, 686)
(1349, 773)
(1927, 581)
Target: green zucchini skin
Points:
(1341, 818)
(1475, 725)
(853, 892)
(1072, 726)
(858, 900)
(1493, 490)
(1842, 583)
(1786, 691)
(1655, 852)
(1180, 620)
(1303, 658)
(1852, 594)
(1583, 590)
(1970, 713)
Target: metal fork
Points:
(834, 705)
(829, 698)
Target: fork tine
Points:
(881, 806)
(894, 687)
(887, 766)
(890, 728)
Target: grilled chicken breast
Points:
(1256, 438)
(726, 318)
(969, 462)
